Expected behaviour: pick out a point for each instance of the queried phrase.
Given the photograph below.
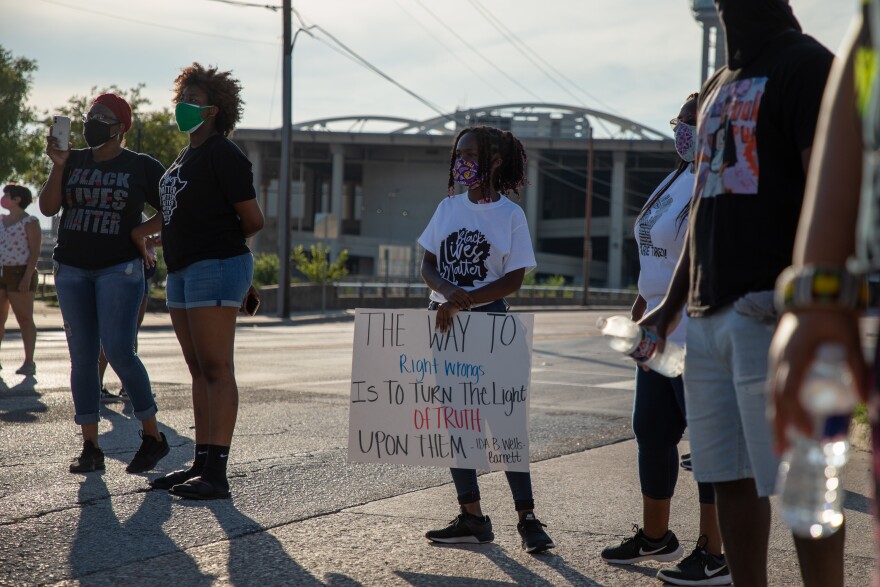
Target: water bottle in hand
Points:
(810, 475)
(629, 338)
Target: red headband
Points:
(118, 106)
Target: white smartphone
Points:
(61, 131)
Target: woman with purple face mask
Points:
(659, 409)
(477, 250)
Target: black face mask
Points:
(96, 133)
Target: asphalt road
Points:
(289, 456)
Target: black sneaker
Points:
(150, 453)
(174, 478)
(686, 462)
(465, 528)
(638, 548)
(699, 568)
(534, 539)
(91, 459)
(108, 397)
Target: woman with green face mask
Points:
(209, 209)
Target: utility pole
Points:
(284, 173)
(588, 217)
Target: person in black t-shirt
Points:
(740, 238)
(99, 269)
(209, 208)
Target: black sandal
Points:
(198, 488)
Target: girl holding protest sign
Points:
(477, 250)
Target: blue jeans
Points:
(100, 308)
(465, 480)
(659, 422)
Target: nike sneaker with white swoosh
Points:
(699, 568)
(639, 548)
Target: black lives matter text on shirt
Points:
(102, 202)
(198, 192)
(463, 257)
(755, 122)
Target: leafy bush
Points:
(266, 269)
(316, 265)
(555, 281)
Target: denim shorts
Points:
(211, 283)
(725, 378)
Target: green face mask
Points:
(189, 116)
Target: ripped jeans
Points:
(100, 307)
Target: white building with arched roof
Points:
(369, 184)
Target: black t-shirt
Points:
(198, 192)
(101, 204)
(754, 124)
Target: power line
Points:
(477, 53)
(449, 49)
(271, 7)
(164, 27)
(364, 63)
(520, 47)
(525, 50)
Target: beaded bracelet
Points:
(813, 286)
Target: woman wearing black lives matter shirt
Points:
(209, 207)
(99, 269)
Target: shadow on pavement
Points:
(256, 557)
(101, 541)
(21, 402)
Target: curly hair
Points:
(224, 92)
(491, 143)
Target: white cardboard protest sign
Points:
(457, 399)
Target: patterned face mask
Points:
(466, 173)
(686, 141)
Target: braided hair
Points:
(494, 143)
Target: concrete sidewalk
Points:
(48, 317)
(588, 500)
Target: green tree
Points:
(317, 268)
(21, 140)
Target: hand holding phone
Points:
(61, 131)
(251, 302)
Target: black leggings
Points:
(658, 422)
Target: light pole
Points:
(588, 217)
(284, 171)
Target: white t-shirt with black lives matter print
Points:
(476, 244)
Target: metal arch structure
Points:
(525, 119)
(356, 123)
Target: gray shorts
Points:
(725, 393)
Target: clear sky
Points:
(634, 58)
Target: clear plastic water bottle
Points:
(629, 338)
(810, 475)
